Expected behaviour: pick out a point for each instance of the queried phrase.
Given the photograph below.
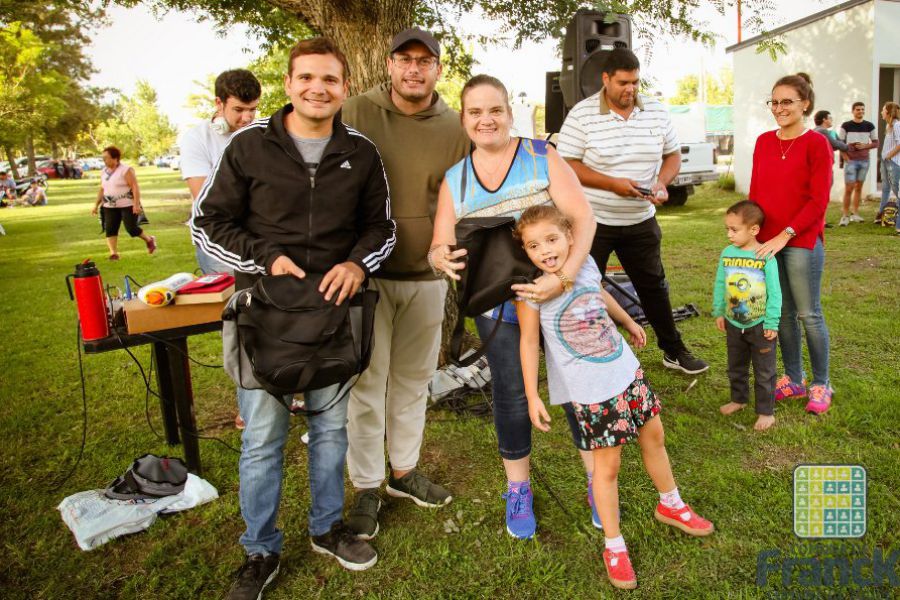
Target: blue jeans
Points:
(856, 171)
(890, 180)
(511, 419)
(209, 264)
(262, 458)
(800, 272)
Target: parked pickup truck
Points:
(698, 164)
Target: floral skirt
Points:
(614, 421)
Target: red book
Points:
(207, 284)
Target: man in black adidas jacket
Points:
(295, 193)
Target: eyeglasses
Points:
(426, 63)
(775, 104)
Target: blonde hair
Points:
(540, 214)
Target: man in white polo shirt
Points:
(237, 96)
(624, 150)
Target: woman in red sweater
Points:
(791, 181)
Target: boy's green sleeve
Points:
(773, 296)
(719, 290)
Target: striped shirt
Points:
(617, 147)
(892, 140)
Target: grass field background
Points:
(740, 479)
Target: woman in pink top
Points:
(121, 199)
(791, 182)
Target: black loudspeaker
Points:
(554, 107)
(589, 39)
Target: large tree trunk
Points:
(362, 30)
(12, 162)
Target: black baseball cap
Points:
(414, 34)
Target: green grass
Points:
(739, 479)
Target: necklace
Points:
(781, 146)
(492, 172)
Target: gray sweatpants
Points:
(746, 346)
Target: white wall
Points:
(836, 52)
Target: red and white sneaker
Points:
(819, 399)
(684, 519)
(785, 388)
(618, 569)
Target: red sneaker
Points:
(684, 519)
(151, 244)
(618, 569)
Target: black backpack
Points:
(292, 339)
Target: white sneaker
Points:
(845, 220)
(856, 219)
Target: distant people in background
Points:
(35, 195)
(890, 157)
(237, 96)
(824, 123)
(7, 190)
(861, 136)
(791, 181)
(121, 199)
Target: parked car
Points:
(175, 163)
(47, 168)
(163, 161)
(94, 163)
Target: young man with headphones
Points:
(237, 96)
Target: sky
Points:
(174, 50)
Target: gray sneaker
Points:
(362, 519)
(255, 574)
(419, 489)
(343, 545)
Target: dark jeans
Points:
(113, 218)
(638, 249)
(746, 346)
(511, 419)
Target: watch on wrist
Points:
(790, 231)
(566, 281)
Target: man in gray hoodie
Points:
(419, 137)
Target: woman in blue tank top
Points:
(504, 176)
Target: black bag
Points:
(148, 477)
(293, 340)
(495, 260)
(142, 218)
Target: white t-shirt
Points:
(588, 361)
(617, 147)
(201, 148)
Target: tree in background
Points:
(719, 90)
(44, 69)
(364, 28)
(137, 126)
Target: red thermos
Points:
(91, 301)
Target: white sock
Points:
(671, 499)
(616, 544)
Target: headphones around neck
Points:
(220, 126)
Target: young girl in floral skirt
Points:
(597, 379)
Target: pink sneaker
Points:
(785, 388)
(819, 399)
(684, 519)
(619, 570)
(151, 245)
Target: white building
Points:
(851, 52)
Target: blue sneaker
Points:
(595, 518)
(520, 522)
